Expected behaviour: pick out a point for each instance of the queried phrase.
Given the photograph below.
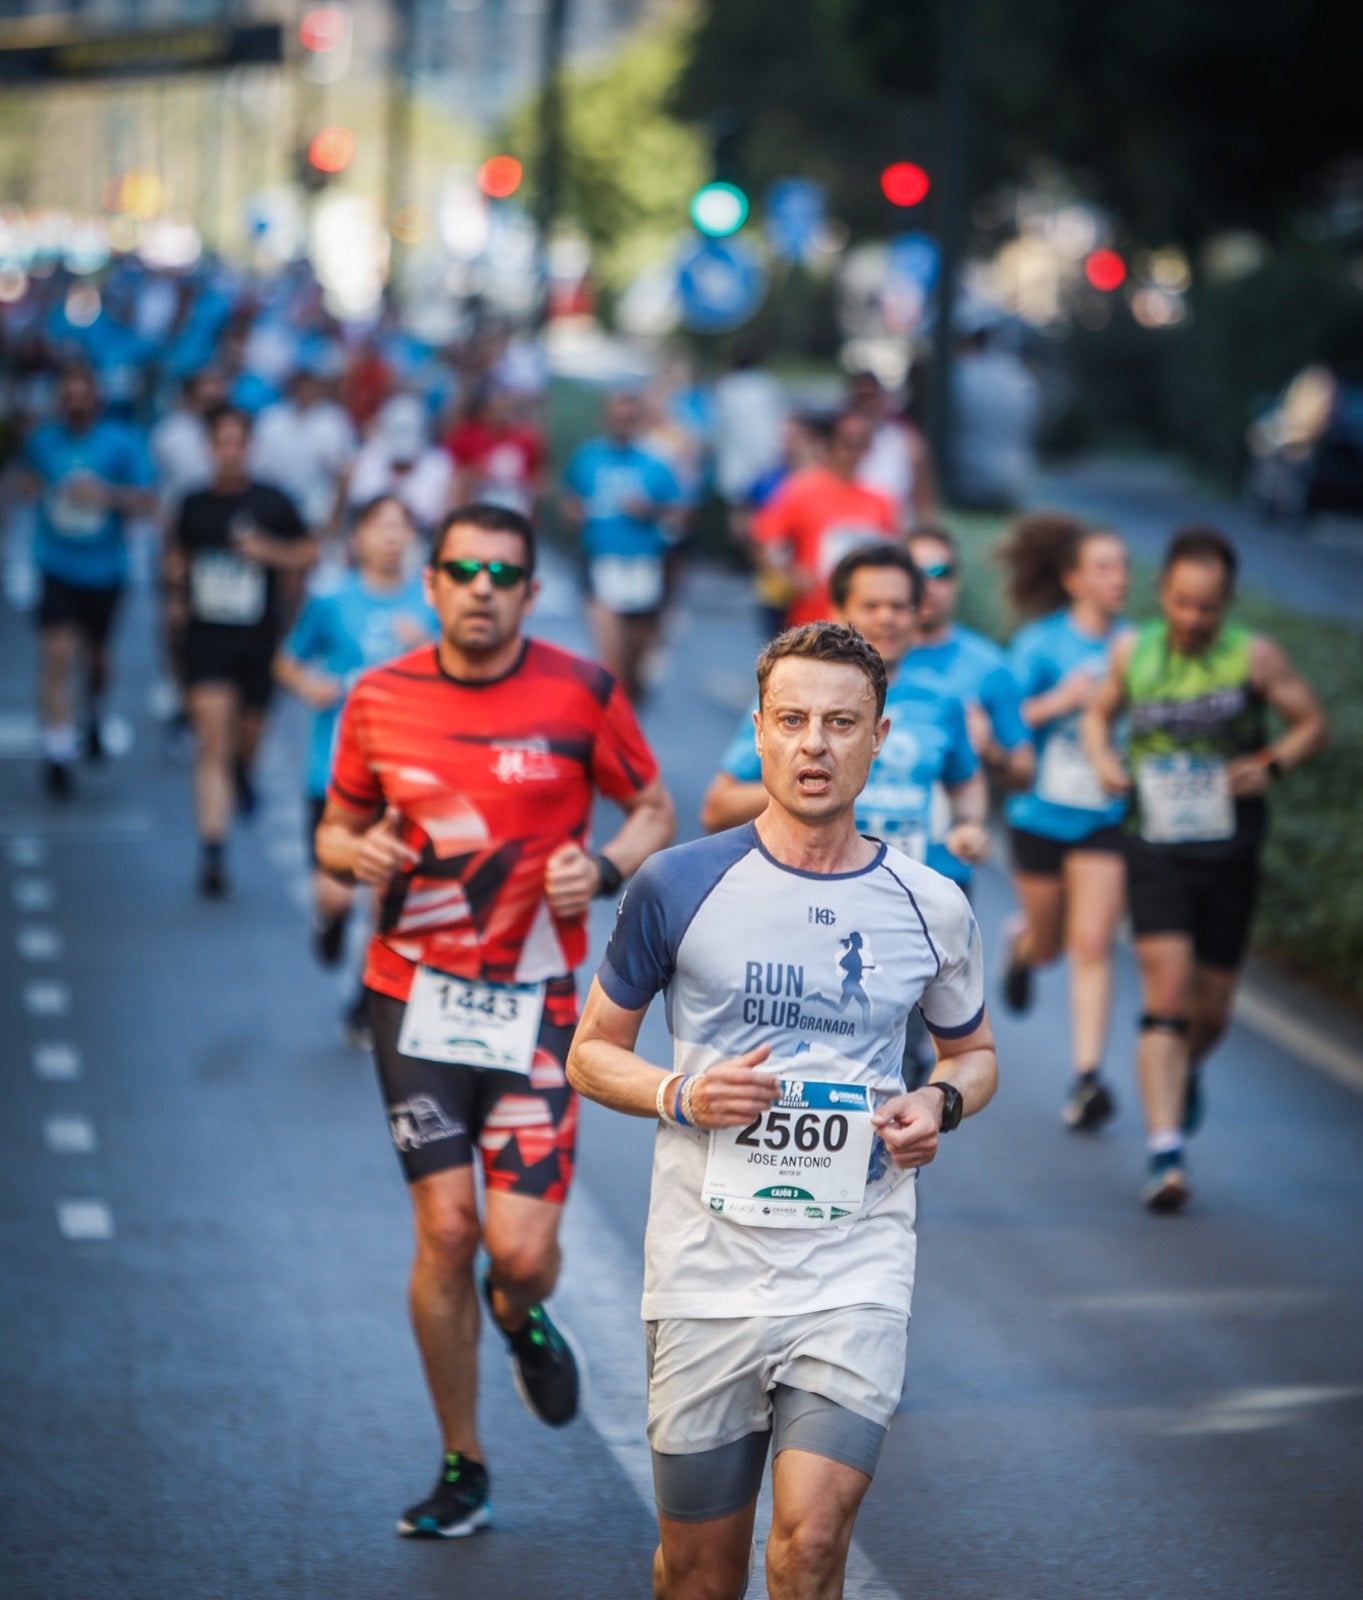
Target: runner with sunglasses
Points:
(1066, 830)
(972, 669)
(461, 792)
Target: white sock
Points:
(1163, 1144)
(60, 743)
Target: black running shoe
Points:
(543, 1365)
(1090, 1104)
(328, 940)
(213, 883)
(57, 781)
(1194, 1106)
(1166, 1189)
(456, 1507)
(1017, 978)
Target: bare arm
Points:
(968, 839)
(1289, 694)
(729, 802)
(284, 555)
(319, 690)
(1095, 727)
(911, 1124)
(604, 1066)
(362, 846)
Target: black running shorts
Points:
(524, 1129)
(1211, 899)
(67, 605)
(242, 657)
(1036, 856)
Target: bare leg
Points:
(444, 1302)
(521, 1235)
(704, 1560)
(1213, 996)
(57, 649)
(1095, 893)
(213, 711)
(1166, 962)
(1043, 908)
(815, 1509)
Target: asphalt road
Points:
(210, 1389)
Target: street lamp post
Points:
(549, 165)
(952, 213)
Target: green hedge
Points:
(1311, 910)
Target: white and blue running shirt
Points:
(823, 967)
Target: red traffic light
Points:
(322, 29)
(500, 176)
(905, 184)
(333, 149)
(1105, 270)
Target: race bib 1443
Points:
(471, 1024)
(801, 1165)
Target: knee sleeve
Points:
(1151, 1022)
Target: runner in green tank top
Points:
(1198, 765)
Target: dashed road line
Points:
(85, 1219)
(24, 850)
(38, 942)
(48, 999)
(33, 894)
(55, 1061)
(69, 1135)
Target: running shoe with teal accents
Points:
(1166, 1189)
(456, 1507)
(544, 1364)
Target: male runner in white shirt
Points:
(780, 1250)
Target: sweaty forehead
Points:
(798, 684)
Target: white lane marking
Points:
(69, 1135)
(1253, 1410)
(57, 1061)
(1300, 1038)
(38, 942)
(20, 737)
(599, 1295)
(85, 1219)
(26, 851)
(47, 999)
(1197, 1302)
(33, 894)
(117, 735)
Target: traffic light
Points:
(500, 176)
(904, 183)
(325, 35)
(1105, 270)
(330, 152)
(719, 209)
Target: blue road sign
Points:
(916, 257)
(795, 213)
(720, 283)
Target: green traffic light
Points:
(719, 209)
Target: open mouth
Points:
(814, 780)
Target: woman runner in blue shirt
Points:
(1068, 865)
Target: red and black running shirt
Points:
(490, 778)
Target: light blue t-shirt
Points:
(84, 545)
(345, 632)
(1066, 802)
(928, 746)
(825, 969)
(607, 476)
(975, 671)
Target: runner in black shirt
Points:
(234, 567)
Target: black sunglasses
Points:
(504, 574)
(939, 569)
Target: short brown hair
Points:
(1201, 542)
(824, 641)
(490, 519)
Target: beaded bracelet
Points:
(684, 1101)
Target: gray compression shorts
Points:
(716, 1483)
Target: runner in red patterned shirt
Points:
(461, 792)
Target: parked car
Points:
(1306, 449)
